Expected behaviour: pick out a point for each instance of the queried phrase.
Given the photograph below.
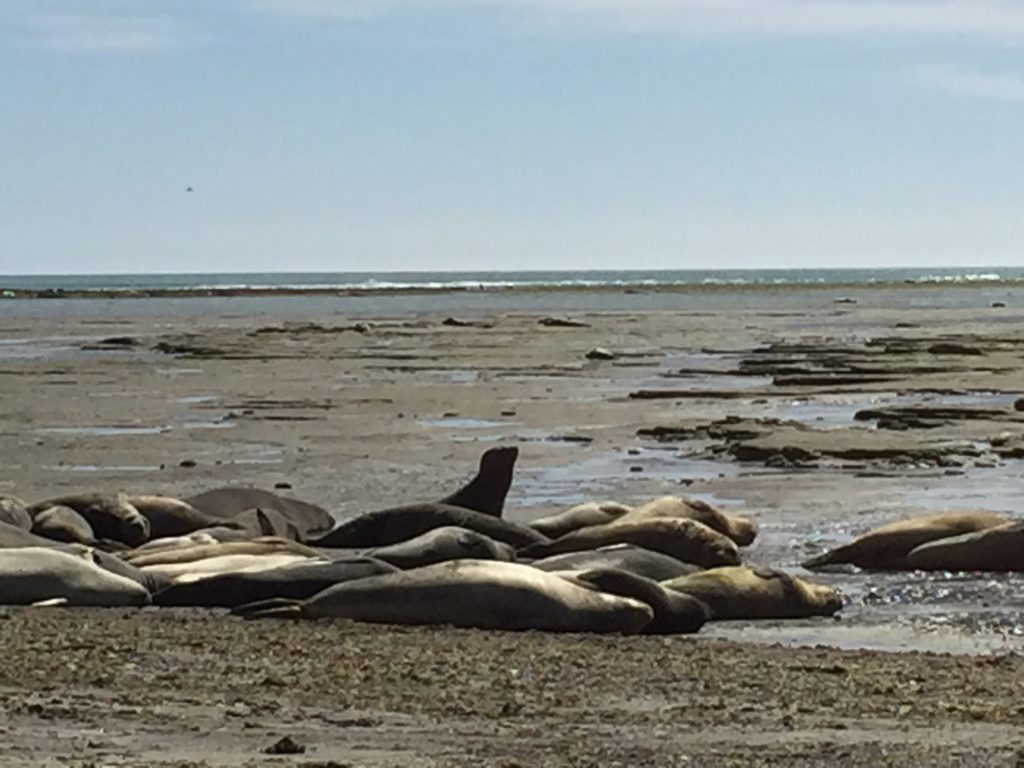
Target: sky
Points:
(342, 135)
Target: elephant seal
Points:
(110, 515)
(998, 549)
(168, 516)
(295, 582)
(266, 545)
(61, 523)
(449, 542)
(225, 504)
(482, 594)
(486, 492)
(622, 557)
(14, 511)
(886, 548)
(740, 529)
(16, 538)
(580, 516)
(675, 613)
(740, 592)
(391, 526)
(36, 574)
(683, 539)
(196, 570)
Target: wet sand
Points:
(361, 412)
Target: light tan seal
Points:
(886, 548)
(484, 594)
(580, 516)
(739, 592)
(72, 577)
(740, 529)
(683, 539)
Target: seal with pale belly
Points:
(580, 516)
(740, 592)
(997, 549)
(296, 582)
(111, 515)
(622, 557)
(482, 594)
(448, 542)
(886, 548)
(681, 538)
(740, 529)
(36, 574)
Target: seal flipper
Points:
(486, 492)
(838, 556)
(274, 608)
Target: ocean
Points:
(412, 293)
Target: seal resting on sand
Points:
(228, 504)
(13, 511)
(110, 515)
(997, 549)
(296, 582)
(886, 548)
(683, 539)
(168, 516)
(448, 542)
(580, 516)
(62, 524)
(740, 529)
(484, 594)
(622, 557)
(486, 491)
(739, 592)
(38, 574)
(675, 613)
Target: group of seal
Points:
(664, 567)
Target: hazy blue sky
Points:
(509, 134)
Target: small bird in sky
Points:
(188, 189)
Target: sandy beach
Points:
(818, 418)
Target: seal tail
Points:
(275, 608)
(486, 492)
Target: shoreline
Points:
(541, 288)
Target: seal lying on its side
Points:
(168, 516)
(200, 570)
(62, 524)
(37, 574)
(622, 557)
(580, 516)
(14, 511)
(449, 542)
(226, 504)
(740, 592)
(886, 548)
(683, 539)
(296, 582)
(998, 549)
(111, 515)
(675, 613)
(391, 526)
(16, 538)
(484, 594)
(264, 545)
(740, 529)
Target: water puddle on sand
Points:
(603, 476)
(105, 431)
(196, 399)
(99, 468)
(458, 422)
